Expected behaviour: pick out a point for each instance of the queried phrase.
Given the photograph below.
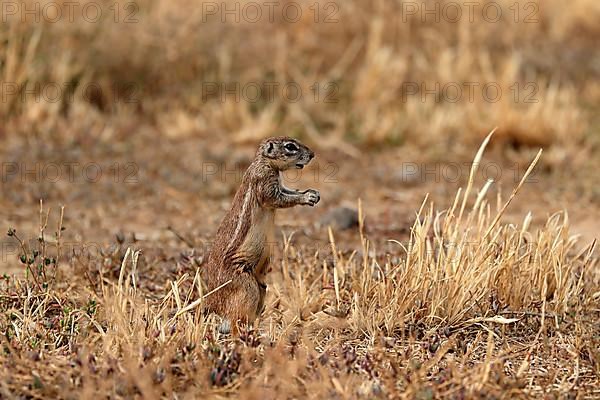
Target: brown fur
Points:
(242, 247)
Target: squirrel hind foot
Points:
(225, 327)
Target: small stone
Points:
(34, 355)
(340, 218)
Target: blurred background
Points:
(351, 68)
(137, 115)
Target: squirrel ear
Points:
(268, 150)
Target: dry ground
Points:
(107, 326)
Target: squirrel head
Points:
(284, 153)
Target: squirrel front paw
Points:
(311, 197)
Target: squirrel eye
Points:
(291, 147)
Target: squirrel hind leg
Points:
(243, 304)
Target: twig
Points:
(528, 313)
(180, 237)
(43, 225)
(28, 266)
(514, 193)
(199, 301)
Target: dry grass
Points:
(372, 55)
(468, 307)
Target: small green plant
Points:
(91, 307)
(40, 266)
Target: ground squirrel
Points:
(242, 247)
